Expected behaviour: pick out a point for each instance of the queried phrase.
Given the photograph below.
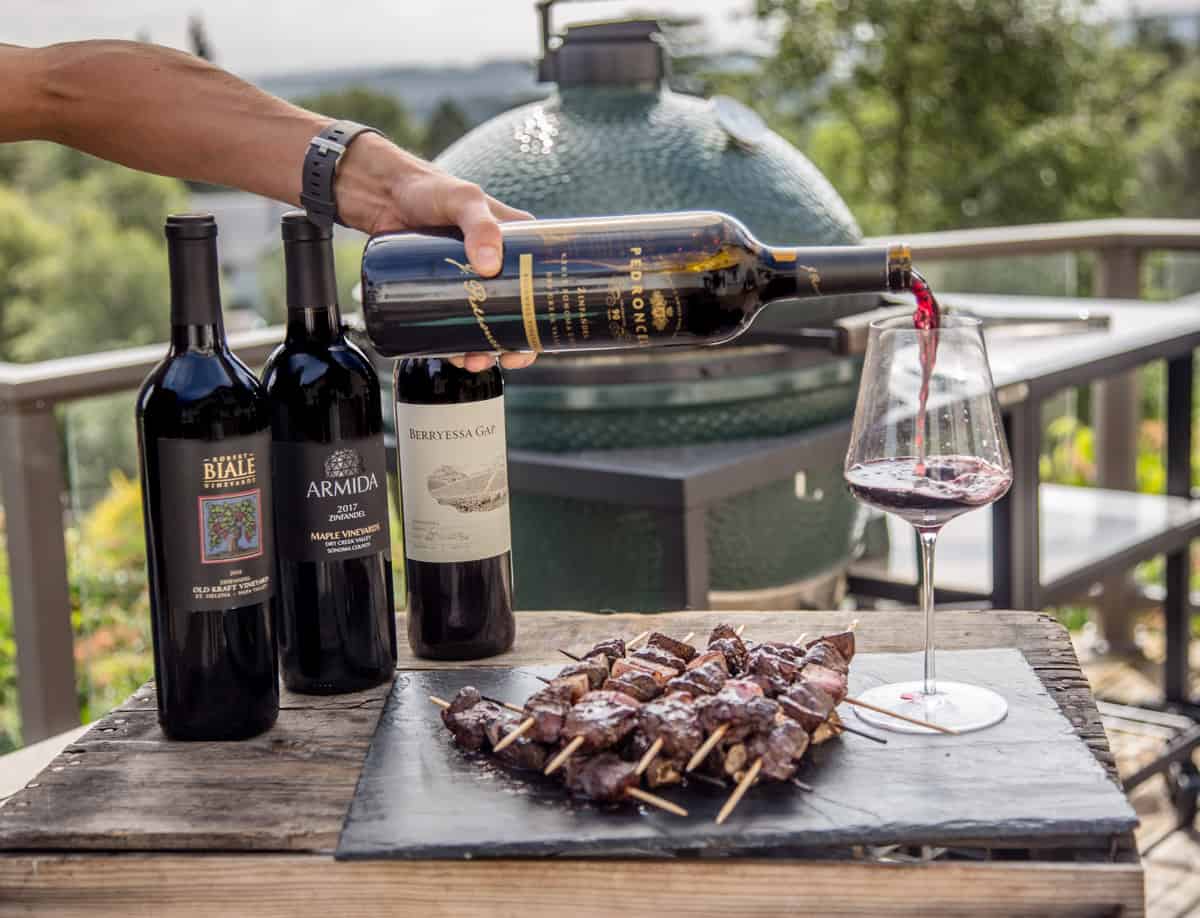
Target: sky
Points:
(258, 37)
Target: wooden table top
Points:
(125, 819)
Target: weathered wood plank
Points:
(286, 885)
(122, 786)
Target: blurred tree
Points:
(936, 115)
(198, 38)
(446, 124)
(366, 106)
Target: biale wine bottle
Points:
(454, 490)
(600, 283)
(337, 624)
(205, 445)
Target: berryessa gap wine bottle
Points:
(336, 611)
(204, 442)
(601, 283)
(454, 489)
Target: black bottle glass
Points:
(336, 609)
(204, 441)
(457, 536)
(652, 280)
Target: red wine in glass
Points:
(928, 495)
(926, 320)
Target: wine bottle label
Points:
(453, 480)
(218, 529)
(332, 499)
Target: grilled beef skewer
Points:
(599, 720)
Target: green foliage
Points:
(938, 115)
(366, 106)
(446, 124)
(10, 721)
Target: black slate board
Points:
(419, 796)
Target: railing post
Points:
(31, 475)
(1115, 421)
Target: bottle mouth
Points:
(296, 227)
(191, 226)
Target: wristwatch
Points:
(320, 168)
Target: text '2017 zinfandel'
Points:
(205, 444)
(600, 283)
(337, 619)
(454, 486)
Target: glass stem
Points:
(928, 540)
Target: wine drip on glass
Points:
(927, 446)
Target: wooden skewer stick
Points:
(569, 656)
(567, 751)
(654, 800)
(739, 629)
(800, 640)
(687, 637)
(863, 733)
(637, 639)
(503, 704)
(440, 702)
(654, 750)
(800, 784)
(896, 714)
(509, 738)
(709, 744)
(853, 625)
(740, 791)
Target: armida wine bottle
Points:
(205, 444)
(601, 282)
(337, 625)
(454, 489)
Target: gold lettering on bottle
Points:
(476, 297)
(528, 301)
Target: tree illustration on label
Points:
(470, 492)
(230, 527)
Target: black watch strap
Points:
(320, 169)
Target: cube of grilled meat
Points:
(709, 656)
(549, 708)
(842, 641)
(825, 654)
(659, 657)
(663, 772)
(767, 661)
(725, 639)
(594, 668)
(637, 683)
(771, 685)
(612, 649)
(524, 753)
(780, 748)
(684, 651)
(722, 630)
(601, 777)
(674, 720)
(807, 704)
(468, 717)
(831, 681)
(602, 718)
(627, 664)
(703, 680)
(741, 705)
(577, 684)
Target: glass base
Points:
(956, 705)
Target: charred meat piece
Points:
(703, 680)
(825, 654)
(771, 686)
(660, 673)
(524, 753)
(843, 643)
(594, 668)
(659, 657)
(709, 656)
(674, 720)
(635, 683)
(780, 748)
(602, 718)
(741, 705)
(722, 630)
(611, 650)
(830, 681)
(663, 772)
(468, 718)
(600, 777)
(807, 704)
(549, 708)
(685, 652)
(765, 661)
(787, 651)
(734, 652)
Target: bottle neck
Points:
(208, 338)
(790, 273)
(196, 321)
(312, 304)
(321, 324)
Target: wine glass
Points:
(927, 446)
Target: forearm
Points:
(164, 111)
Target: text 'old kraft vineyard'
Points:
(450, 440)
(337, 616)
(601, 283)
(205, 447)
